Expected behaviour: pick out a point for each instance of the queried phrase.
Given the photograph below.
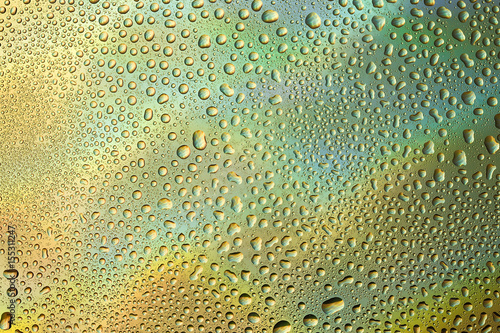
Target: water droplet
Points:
(332, 305)
(313, 20)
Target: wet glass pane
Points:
(249, 166)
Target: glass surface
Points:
(249, 166)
